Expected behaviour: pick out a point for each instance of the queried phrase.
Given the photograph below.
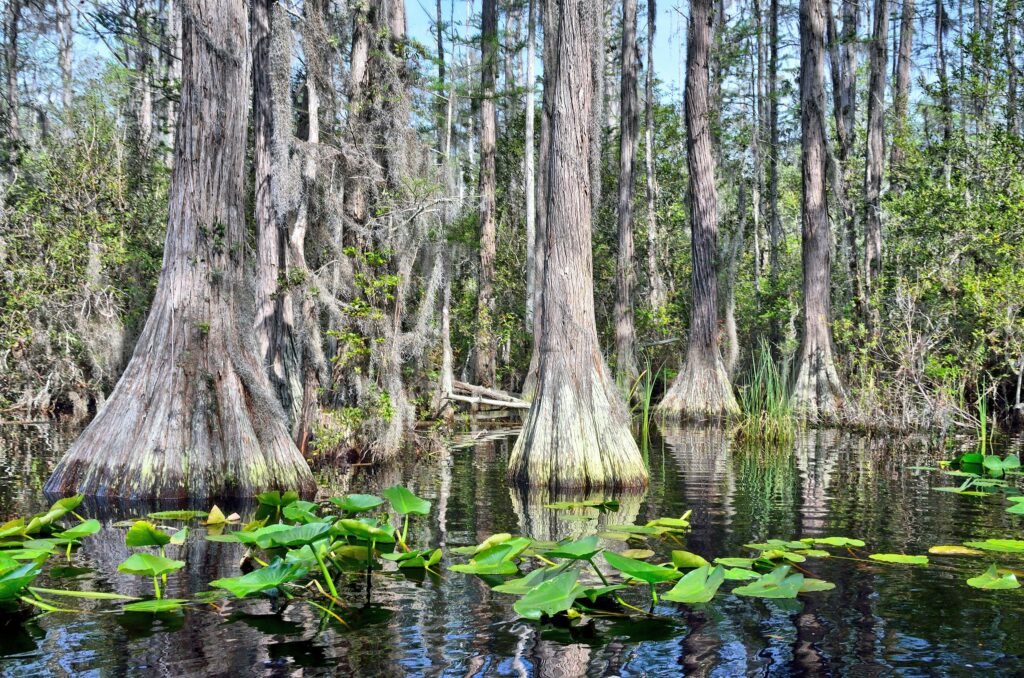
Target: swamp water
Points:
(881, 619)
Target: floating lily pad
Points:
(637, 569)
(177, 515)
(954, 551)
(698, 586)
(685, 560)
(549, 597)
(81, 530)
(1000, 545)
(816, 585)
(638, 554)
(991, 579)
(523, 585)
(899, 558)
(143, 533)
(836, 541)
(149, 565)
(582, 549)
(776, 584)
(357, 503)
(275, 575)
(740, 574)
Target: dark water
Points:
(880, 620)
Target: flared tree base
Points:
(701, 391)
(817, 391)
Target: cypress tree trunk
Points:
(65, 40)
(702, 388)
(193, 414)
(775, 225)
(576, 434)
(277, 189)
(529, 165)
(629, 123)
(901, 92)
(817, 392)
(12, 19)
(486, 349)
(657, 284)
(873, 165)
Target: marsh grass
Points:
(766, 411)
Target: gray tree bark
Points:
(875, 158)
(528, 163)
(277, 192)
(817, 392)
(193, 414)
(576, 434)
(485, 367)
(702, 389)
(656, 287)
(901, 91)
(12, 21)
(65, 38)
(629, 124)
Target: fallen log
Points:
(478, 400)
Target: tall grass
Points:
(766, 412)
(642, 396)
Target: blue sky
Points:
(669, 42)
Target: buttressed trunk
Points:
(193, 414)
(702, 389)
(576, 434)
(817, 393)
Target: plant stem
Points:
(156, 587)
(323, 569)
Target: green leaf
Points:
(93, 595)
(82, 529)
(357, 503)
(493, 540)
(405, 502)
(299, 535)
(899, 558)
(582, 549)
(161, 605)
(816, 585)
(637, 569)
(497, 559)
(836, 541)
(215, 516)
(524, 585)
(698, 586)
(13, 580)
(954, 551)
(1000, 545)
(740, 574)
(179, 537)
(992, 580)
(684, 560)
(273, 576)
(1016, 509)
(177, 515)
(550, 597)
(149, 565)
(251, 537)
(59, 509)
(776, 584)
(277, 499)
(12, 527)
(594, 594)
(366, 529)
(736, 562)
(143, 533)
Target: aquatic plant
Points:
(766, 411)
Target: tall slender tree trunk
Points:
(442, 100)
(12, 24)
(276, 202)
(843, 68)
(757, 137)
(945, 96)
(193, 414)
(486, 341)
(875, 159)
(736, 247)
(597, 122)
(656, 284)
(65, 39)
(775, 225)
(629, 125)
(702, 388)
(901, 94)
(1010, 32)
(528, 163)
(576, 434)
(817, 392)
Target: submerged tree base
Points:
(817, 392)
(577, 437)
(701, 391)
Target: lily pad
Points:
(82, 529)
(1000, 545)
(582, 549)
(740, 574)
(14, 579)
(160, 605)
(369, 530)
(143, 533)
(299, 535)
(816, 585)
(549, 597)
(776, 584)
(991, 579)
(275, 575)
(524, 585)
(149, 565)
(899, 558)
(684, 560)
(405, 502)
(698, 586)
(836, 541)
(357, 503)
(277, 499)
(954, 550)
(637, 569)
(177, 515)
